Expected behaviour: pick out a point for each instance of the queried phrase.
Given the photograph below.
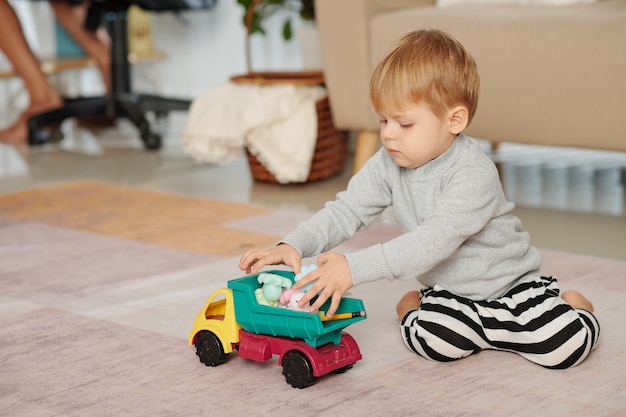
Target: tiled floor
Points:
(567, 199)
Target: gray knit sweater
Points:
(458, 229)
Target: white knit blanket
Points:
(278, 124)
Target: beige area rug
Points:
(99, 285)
(159, 218)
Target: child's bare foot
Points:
(577, 300)
(409, 302)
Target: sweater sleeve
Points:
(466, 202)
(355, 209)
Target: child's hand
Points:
(255, 259)
(332, 279)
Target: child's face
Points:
(415, 135)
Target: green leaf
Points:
(307, 10)
(287, 30)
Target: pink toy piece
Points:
(294, 299)
(289, 299)
(285, 296)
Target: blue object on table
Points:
(65, 44)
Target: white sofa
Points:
(552, 75)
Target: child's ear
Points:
(458, 119)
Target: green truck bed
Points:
(278, 321)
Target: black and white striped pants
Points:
(531, 319)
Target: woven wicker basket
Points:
(331, 148)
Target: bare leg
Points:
(577, 300)
(97, 45)
(409, 302)
(42, 94)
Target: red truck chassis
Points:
(302, 363)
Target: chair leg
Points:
(366, 146)
(129, 106)
(158, 104)
(121, 102)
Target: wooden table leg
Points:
(366, 146)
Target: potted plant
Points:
(331, 146)
(258, 11)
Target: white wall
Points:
(211, 48)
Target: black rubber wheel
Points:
(298, 370)
(151, 141)
(342, 370)
(209, 349)
(44, 135)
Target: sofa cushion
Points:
(543, 69)
(448, 3)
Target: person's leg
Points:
(534, 321)
(42, 94)
(439, 326)
(97, 45)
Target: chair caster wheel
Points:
(151, 141)
(45, 135)
(160, 115)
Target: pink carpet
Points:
(99, 286)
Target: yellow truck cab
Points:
(218, 315)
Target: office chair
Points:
(121, 102)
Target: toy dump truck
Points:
(307, 346)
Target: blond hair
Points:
(426, 66)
